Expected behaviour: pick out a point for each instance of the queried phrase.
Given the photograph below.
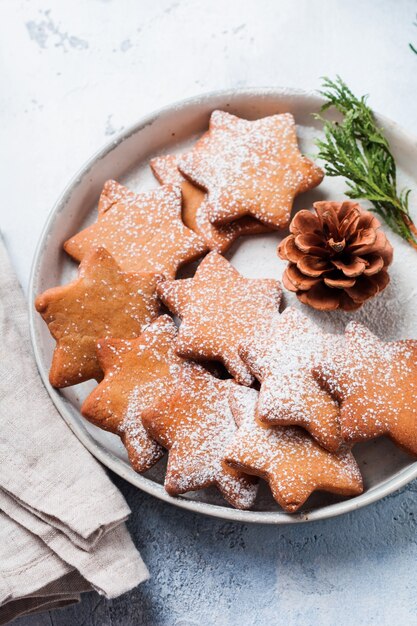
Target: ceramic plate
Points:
(391, 315)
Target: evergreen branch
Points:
(357, 149)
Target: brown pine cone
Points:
(337, 258)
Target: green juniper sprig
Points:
(357, 149)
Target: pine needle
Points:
(357, 149)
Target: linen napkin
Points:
(62, 528)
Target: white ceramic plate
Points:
(391, 315)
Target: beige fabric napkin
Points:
(61, 518)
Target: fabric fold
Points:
(62, 528)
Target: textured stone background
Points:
(73, 74)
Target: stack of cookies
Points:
(290, 400)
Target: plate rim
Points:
(106, 457)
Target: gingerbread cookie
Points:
(250, 168)
(144, 234)
(376, 384)
(196, 426)
(194, 208)
(112, 193)
(137, 374)
(282, 360)
(291, 461)
(220, 309)
(102, 302)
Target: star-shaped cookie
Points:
(282, 361)
(138, 373)
(194, 208)
(220, 309)
(250, 168)
(376, 383)
(112, 193)
(287, 457)
(145, 234)
(196, 426)
(102, 302)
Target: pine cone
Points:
(337, 258)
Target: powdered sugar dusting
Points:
(138, 373)
(221, 310)
(376, 383)
(103, 302)
(250, 167)
(144, 235)
(282, 359)
(196, 208)
(165, 169)
(197, 427)
(287, 457)
(143, 450)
